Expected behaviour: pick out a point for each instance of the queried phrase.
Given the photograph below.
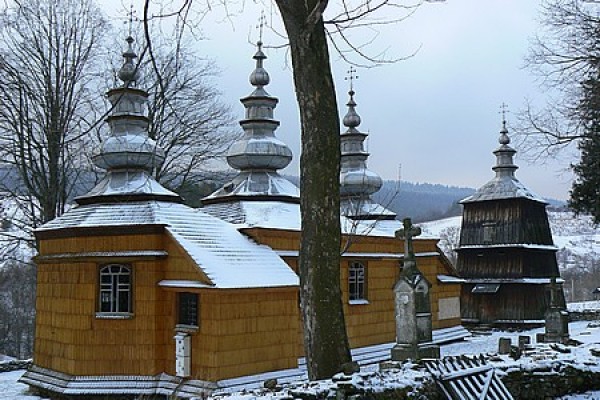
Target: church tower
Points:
(357, 182)
(128, 155)
(257, 156)
(506, 254)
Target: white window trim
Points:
(115, 314)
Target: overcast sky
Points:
(436, 114)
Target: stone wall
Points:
(7, 366)
(550, 382)
(585, 315)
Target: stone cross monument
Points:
(556, 317)
(413, 305)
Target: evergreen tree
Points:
(585, 195)
(566, 55)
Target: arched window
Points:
(115, 289)
(357, 287)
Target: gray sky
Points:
(436, 113)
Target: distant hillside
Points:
(421, 201)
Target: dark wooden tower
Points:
(506, 253)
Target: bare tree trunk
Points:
(325, 339)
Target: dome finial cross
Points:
(262, 21)
(351, 77)
(503, 111)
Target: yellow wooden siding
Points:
(241, 331)
(70, 338)
(373, 323)
(101, 243)
(181, 265)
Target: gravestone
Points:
(556, 317)
(504, 345)
(412, 305)
(524, 341)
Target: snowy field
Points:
(586, 332)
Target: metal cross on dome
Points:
(351, 77)
(130, 19)
(503, 111)
(262, 21)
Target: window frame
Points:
(110, 281)
(185, 323)
(357, 282)
(489, 232)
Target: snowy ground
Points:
(11, 389)
(588, 333)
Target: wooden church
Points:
(139, 294)
(506, 254)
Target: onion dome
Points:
(259, 148)
(504, 155)
(356, 179)
(129, 72)
(504, 185)
(258, 154)
(128, 154)
(357, 182)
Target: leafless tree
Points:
(187, 118)
(17, 309)
(308, 34)
(48, 56)
(564, 54)
(568, 57)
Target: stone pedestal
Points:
(412, 306)
(413, 318)
(504, 345)
(556, 318)
(557, 326)
(401, 352)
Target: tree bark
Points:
(325, 339)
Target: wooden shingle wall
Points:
(69, 337)
(241, 331)
(374, 322)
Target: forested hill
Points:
(421, 201)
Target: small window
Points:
(486, 288)
(488, 232)
(188, 309)
(115, 289)
(357, 286)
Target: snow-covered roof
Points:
(351, 254)
(127, 183)
(384, 227)
(503, 187)
(255, 184)
(283, 215)
(259, 214)
(364, 208)
(438, 228)
(510, 245)
(450, 279)
(227, 257)
(530, 281)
